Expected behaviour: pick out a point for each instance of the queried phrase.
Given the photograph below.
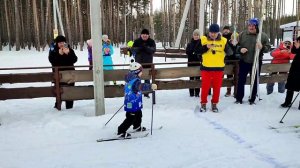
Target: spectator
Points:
(214, 49)
(107, 52)
(293, 82)
(193, 52)
(281, 55)
(228, 58)
(246, 47)
(61, 54)
(144, 47)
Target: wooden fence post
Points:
(57, 88)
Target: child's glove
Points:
(153, 86)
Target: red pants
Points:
(214, 78)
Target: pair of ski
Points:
(134, 135)
(286, 129)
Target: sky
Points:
(35, 135)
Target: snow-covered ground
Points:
(35, 135)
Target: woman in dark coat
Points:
(193, 50)
(61, 54)
(293, 80)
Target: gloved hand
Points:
(154, 86)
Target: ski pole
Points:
(289, 108)
(113, 115)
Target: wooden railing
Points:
(165, 78)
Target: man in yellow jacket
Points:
(214, 49)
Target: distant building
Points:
(290, 30)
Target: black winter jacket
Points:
(193, 51)
(293, 80)
(62, 60)
(144, 50)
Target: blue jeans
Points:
(281, 87)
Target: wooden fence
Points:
(165, 78)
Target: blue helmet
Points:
(254, 21)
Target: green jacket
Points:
(248, 40)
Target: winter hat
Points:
(253, 21)
(214, 28)
(196, 32)
(226, 27)
(60, 38)
(145, 31)
(89, 42)
(135, 67)
(104, 37)
(288, 39)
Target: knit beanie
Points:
(255, 22)
(145, 31)
(60, 38)
(196, 32)
(104, 37)
(135, 67)
(214, 28)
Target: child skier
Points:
(133, 102)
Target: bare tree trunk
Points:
(17, 25)
(68, 24)
(215, 7)
(75, 32)
(7, 24)
(111, 21)
(28, 25)
(80, 24)
(174, 21)
(46, 23)
(163, 22)
(42, 27)
(36, 25)
(151, 19)
(117, 22)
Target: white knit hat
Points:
(135, 67)
(104, 37)
(288, 39)
(196, 32)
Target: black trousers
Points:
(289, 97)
(132, 118)
(69, 104)
(194, 91)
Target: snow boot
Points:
(286, 105)
(214, 108)
(203, 108)
(228, 93)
